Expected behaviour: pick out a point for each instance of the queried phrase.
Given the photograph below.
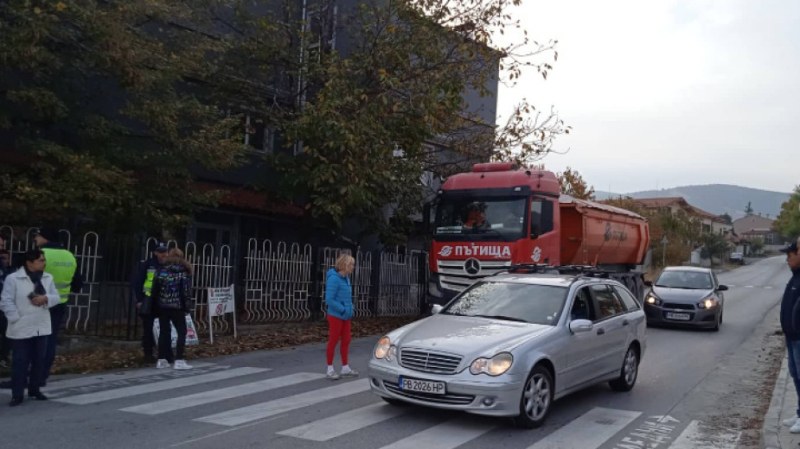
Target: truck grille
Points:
(429, 362)
(453, 276)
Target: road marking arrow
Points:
(664, 418)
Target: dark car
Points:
(686, 296)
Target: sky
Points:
(667, 93)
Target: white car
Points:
(512, 344)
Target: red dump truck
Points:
(497, 216)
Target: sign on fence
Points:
(220, 302)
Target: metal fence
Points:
(274, 281)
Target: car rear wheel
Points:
(537, 396)
(628, 373)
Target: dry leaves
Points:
(251, 338)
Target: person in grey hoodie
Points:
(27, 296)
(339, 300)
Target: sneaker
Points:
(349, 372)
(789, 422)
(332, 375)
(795, 428)
(162, 363)
(181, 364)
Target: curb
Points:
(770, 430)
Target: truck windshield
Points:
(493, 218)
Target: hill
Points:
(718, 198)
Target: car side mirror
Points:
(648, 283)
(436, 308)
(722, 288)
(576, 326)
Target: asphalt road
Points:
(695, 389)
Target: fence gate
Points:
(212, 268)
(277, 282)
(400, 290)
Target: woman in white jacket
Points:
(27, 295)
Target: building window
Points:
(257, 135)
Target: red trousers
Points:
(338, 330)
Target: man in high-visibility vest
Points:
(141, 286)
(61, 264)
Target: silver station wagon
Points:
(511, 344)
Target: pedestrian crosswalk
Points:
(268, 396)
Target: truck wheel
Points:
(628, 373)
(534, 404)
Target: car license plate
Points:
(678, 316)
(421, 386)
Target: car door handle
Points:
(601, 331)
(624, 322)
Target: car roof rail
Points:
(530, 268)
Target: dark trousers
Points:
(148, 340)
(27, 365)
(5, 342)
(56, 318)
(178, 319)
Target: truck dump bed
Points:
(601, 235)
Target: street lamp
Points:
(664, 242)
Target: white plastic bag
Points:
(191, 332)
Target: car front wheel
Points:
(628, 373)
(534, 404)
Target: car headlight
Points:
(652, 300)
(494, 366)
(708, 303)
(382, 348)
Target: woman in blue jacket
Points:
(339, 300)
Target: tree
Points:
(95, 108)
(367, 121)
(748, 210)
(757, 245)
(573, 184)
(788, 221)
(714, 245)
(727, 218)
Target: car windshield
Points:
(497, 218)
(684, 279)
(538, 304)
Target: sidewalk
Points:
(782, 406)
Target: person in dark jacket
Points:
(339, 301)
(172, 292)
(142, 287)
(790, 323)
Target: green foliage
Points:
(727, 218)
(362, 127)
(714, 245)
(95, 111)
(788, 221)
(757, 245)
